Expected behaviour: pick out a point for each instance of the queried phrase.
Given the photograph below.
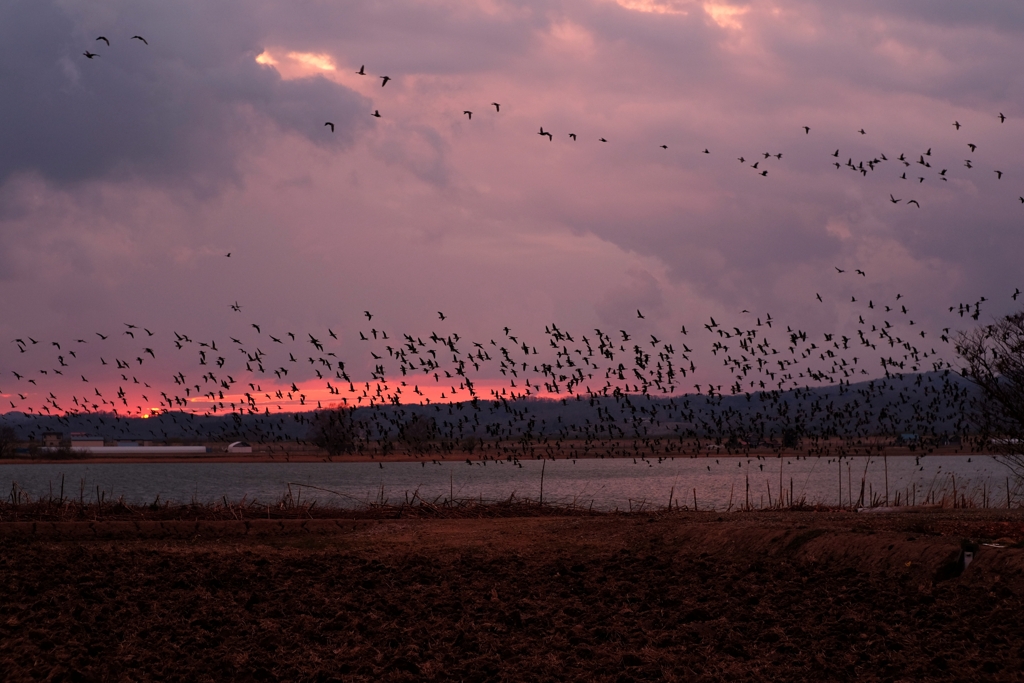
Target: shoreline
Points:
(461, 457)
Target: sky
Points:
(127, 178)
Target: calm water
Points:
(604, 484)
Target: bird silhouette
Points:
(468, 114)
(497, 107)
(90, 55)
(375, 114)
(146, 42)
(104, 39)
(384, 80)
(362, 70)
(331, 125)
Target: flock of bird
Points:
(904, 163)
(861, 166)
(884, 376)
(93, 55)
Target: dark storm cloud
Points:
(183, 107)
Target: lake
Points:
(605, 484)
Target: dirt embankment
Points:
(763, 596)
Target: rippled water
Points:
(604, 484)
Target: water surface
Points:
(605, 484)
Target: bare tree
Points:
(334, 430)
(418, 432)
(8, 442)
(993, 359)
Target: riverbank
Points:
(565, 451)
(564, 596)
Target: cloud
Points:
(125, 179)
(184, 108)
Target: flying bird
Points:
(894, 200)
(331, 125)
(384, 80)
(573, 136)
(956, 124)
(441, 315)
(140, 38)
(807, 130)
(497, 107)
(972, 146)
(914, 202)
(362, 70)
(544, 132)
(469, 114)
(104, 39)
(90, 55)
(1002, 118)
(639, 314)
(375, 113)
(999, 175)
(602, 140)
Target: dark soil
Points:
(749, 596)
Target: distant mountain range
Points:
(936, 404)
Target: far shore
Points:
(301, 456)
